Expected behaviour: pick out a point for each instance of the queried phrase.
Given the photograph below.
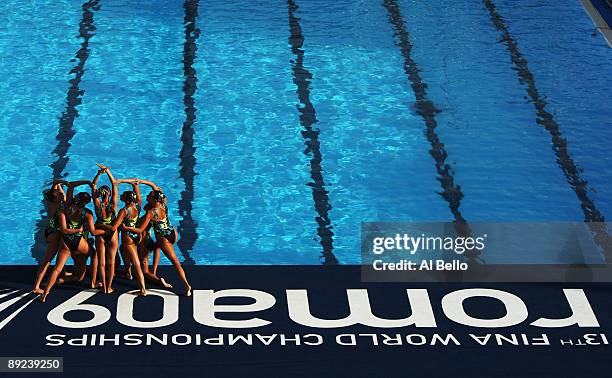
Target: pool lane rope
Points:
(301, 78)
(187, 226)
(451, 192)
(592, 216)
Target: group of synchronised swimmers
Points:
(70, 225)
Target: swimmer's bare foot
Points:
(165, 284)
(37, 291)
(188, 291)
(110, 290)
(143, 292)
(42, 298)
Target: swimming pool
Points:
(277, 127)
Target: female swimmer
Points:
(165, 234)
(128, 217)
(106, 206)
(55, 200)
(148, 244)
(76, 222)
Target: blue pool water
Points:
(113, 82)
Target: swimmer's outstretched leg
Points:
(168, 250)
(52, 247)
(62, 257)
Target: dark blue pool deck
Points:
(25, 333)
(604, 7)
(600, 12)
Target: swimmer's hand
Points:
(103, 167)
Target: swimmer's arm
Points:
(142, 227)
(94, 182)
(150, 184)
(92, 228)
(71, 185)
(94, 186)
(59, 185)
(115, 197)
(74, 184)
(125, 181)
(61, 190)
(134, 182)
(64, 226)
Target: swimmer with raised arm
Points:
(76, 222)
(165, 234)
(128, 217)
(148, 244)
(106, 208)
(94, 259)
(55, 200)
